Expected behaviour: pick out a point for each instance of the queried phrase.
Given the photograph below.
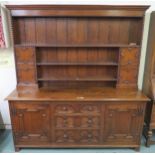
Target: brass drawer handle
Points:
(129, 62)
(65, 121)
(64, 108)
(65, 136)
(90, 108)
(90, 136)
(90, 121)
(44, 115)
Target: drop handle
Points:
(90, 108)
(89, 135)
(64, 108)
(90, 121)
(129, 62)
(65, 121)
(65, 136)
(44, 115)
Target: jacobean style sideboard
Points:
(149, 84)
(77, 69)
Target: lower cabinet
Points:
(77, 124)
(31, 123)
(123, 123)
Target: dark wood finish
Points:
(76, 118)
(77, 70)
(149, 84)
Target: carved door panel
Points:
(31, 122)
(123, 123)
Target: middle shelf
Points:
(77, 64)
(78, 79)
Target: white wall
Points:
(7, 84)
(7, 73)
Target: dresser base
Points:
(94, 118)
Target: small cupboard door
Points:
(31, 122)
(123, 123)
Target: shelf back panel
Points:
(77, 55)
(77, 30)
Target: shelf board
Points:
(77, 64)
(78, 45)
(78, 79)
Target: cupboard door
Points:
(123, 123)
(31, 122)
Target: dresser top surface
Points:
(80, 7)
(85, 94)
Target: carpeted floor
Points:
(6, 146)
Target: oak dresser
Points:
(77, 69)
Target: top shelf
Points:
(77, 45)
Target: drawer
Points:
(26, 73)
(65, 136)
(71, 109)
(25, 54)
(64, 109)
(129, 56)
(90, 108)
(89, 136)
(77, 136)
(125, 76)
(77, 122)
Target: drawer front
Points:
(65, 136)
(64, 122)
(25, 54)
(64, 109)
(26, 73)
(129, 56)
(77, 108)
(77, 137)
(90, 122)
(125, 76)
(77, 122)
(89, 136)
(90, 108)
